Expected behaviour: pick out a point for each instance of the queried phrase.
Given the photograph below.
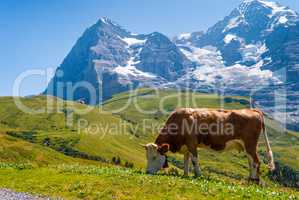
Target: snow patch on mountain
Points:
(280, 20)
(105, 20)
(283, 19)
(208, 55)
(253, 52)
(184, 36)
(250, 52)
(229, 37)
(130, 70)
(211, 69)
(242, 76)
(234, 22)
(133, 41)
(108, 21)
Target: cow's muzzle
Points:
(150, 172)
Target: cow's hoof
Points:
(254, 180)
(197, 176)
(262, 183)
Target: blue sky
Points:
(38, 34)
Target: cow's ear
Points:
(163, 148)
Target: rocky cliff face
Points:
(253, 51)
(98, 43)
(162, 57)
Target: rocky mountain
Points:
(110, 59)
(253, 51)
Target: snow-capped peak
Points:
(104, 20)
(274, 6)
(277, 8)
(108, 21)
(275, 13)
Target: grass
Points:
(52, 125)
(90, 182)
(41, 140)
(161, 102)
(17, 151)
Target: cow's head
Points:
(156, 158)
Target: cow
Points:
(188, 129)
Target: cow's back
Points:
(210, 127)
(227, 125)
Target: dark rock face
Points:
(111, 85)
(162, 57)
(97, 42)
(191, 37)
(283, 44)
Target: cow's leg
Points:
(186, 164)
(197, 171)
(254, 166)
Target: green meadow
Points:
(67, 153)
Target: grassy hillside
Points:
(14, 150)
(52, 127)
(115, 130)
(120, 142)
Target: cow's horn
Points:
(143, 145)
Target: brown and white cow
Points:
(187, 129)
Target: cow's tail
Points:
(269, 153)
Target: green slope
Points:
(51, 126)
(48, 137)
(16, 151)
(124, 142)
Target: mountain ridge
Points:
(252, 51)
